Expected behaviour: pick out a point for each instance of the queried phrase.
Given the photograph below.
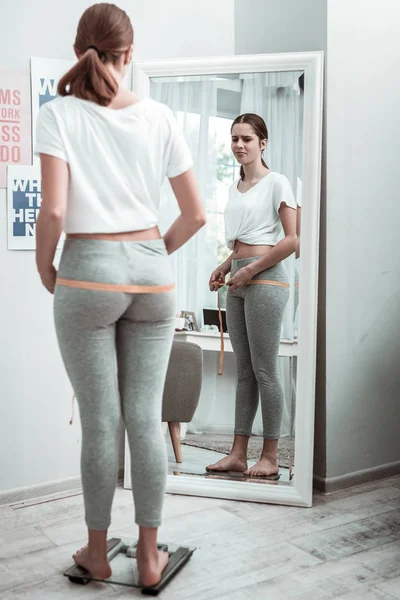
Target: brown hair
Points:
(259, 127)
(104, 34)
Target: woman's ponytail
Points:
(89, 79)
(104, 34)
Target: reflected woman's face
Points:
(245, 144)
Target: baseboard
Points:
(52, 488)
(40, 490)
(328, 485)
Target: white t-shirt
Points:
(117, 159)
(299, 191)
(252, 217)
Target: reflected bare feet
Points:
(150, 566)
(266, 467)
(232, 462)
(97, 565)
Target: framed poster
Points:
(15, 120)
(24, 198)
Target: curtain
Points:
(194, 104)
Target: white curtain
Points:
(194, 103)
(276, 98)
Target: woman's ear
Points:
(263, 144)
(128, 55)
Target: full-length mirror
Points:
(238, 400)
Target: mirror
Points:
(266, 364)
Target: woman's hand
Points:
(48, 278)
(49, 224)
(217, 279)
(241, 278)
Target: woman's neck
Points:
(124, 97)
(254, 171)
(116, 73)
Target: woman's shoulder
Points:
(156, 105)
(56, 103)
(153, 105)
(279, 180)
(158, 108)
(61, 105)
(160, 113)
(71, 102)
(233, 188)
(276, 176)
(53, 110)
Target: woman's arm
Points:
(192, 217)
(284, 248)
(298, 229)
(55, 177)
(227, 265)
(217, 278)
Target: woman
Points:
(104, 154)
(259, 205)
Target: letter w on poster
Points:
(45, 75)
(24, 198)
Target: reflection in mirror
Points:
(245, 133)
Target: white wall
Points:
(286, 26)
(363, 213)
(37, 445)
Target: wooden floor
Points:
(346, 547)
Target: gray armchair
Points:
(182, 390)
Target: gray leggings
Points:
(116, 346)
(254, 319)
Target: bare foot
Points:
(151, 568)
(266, 467)
(98, 566)
(232, 462)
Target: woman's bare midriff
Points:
(242, 250)
(123, 236)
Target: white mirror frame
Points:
(299, 491)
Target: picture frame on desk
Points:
(190, 320)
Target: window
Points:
(228, 171)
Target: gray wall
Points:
(275, 27)
(285, 26)
(363, 261)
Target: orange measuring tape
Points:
(220, 285)
(112, 287)
(221, 333)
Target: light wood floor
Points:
(346, 547)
